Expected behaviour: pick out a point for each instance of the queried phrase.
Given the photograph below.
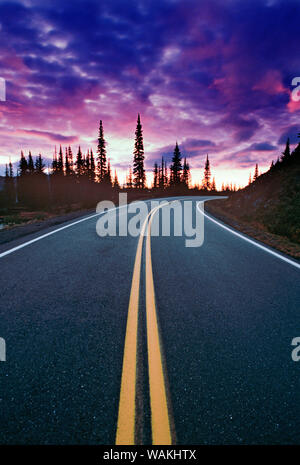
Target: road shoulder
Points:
(279, 243)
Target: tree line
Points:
(287, 158)
(86, 178)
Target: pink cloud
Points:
(271, 83)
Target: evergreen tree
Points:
(116, 184)
(277, 162)
(130, 181)
(60, 162)
(186, 176)
(102, 168)
(166, 176)
(39, 165)
(79, 164)
(22, 178)
(161, 183)
(23, 167)
(138, 157)
(171, 176)
(84, 172)
(213, 185)
(107, 177)
(296, 152)
(67, 163)
(54, 162)
(287, 152)
(10, 170)
(163, 174)
(92, 167)
(207, 174)
(155, 176)
(176, 167)
(70, 160)
(87, 164)
(39, 185)
(255, 173)
(30, 164)
(69, 185)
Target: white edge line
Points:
(260, 246)
(18, 247)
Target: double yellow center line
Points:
(160, 421)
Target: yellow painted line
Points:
(126, 417)
(159, 412)
(161, 431)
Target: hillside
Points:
(272, 202)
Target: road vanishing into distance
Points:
(141, 340)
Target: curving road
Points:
(209, 357)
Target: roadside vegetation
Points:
(271, 201)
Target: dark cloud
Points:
(190, 144)
(243, 128)
(241, 159)
(291, 133)
(262, 147)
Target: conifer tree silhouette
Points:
(176, 167)
(139, 177)
(101, 159)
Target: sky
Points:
(213, 75)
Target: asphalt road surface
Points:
(124, 340)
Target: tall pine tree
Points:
(60, 162)
(23, 167)
(70, 160)
(206, 184)
(139, 176)
(102, 163)
(79, 163)
(92, 167)
(176, 167)
(155, 176)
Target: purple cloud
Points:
(55, 137)
(203, 73)
(291, 133)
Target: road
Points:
(208, 356)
